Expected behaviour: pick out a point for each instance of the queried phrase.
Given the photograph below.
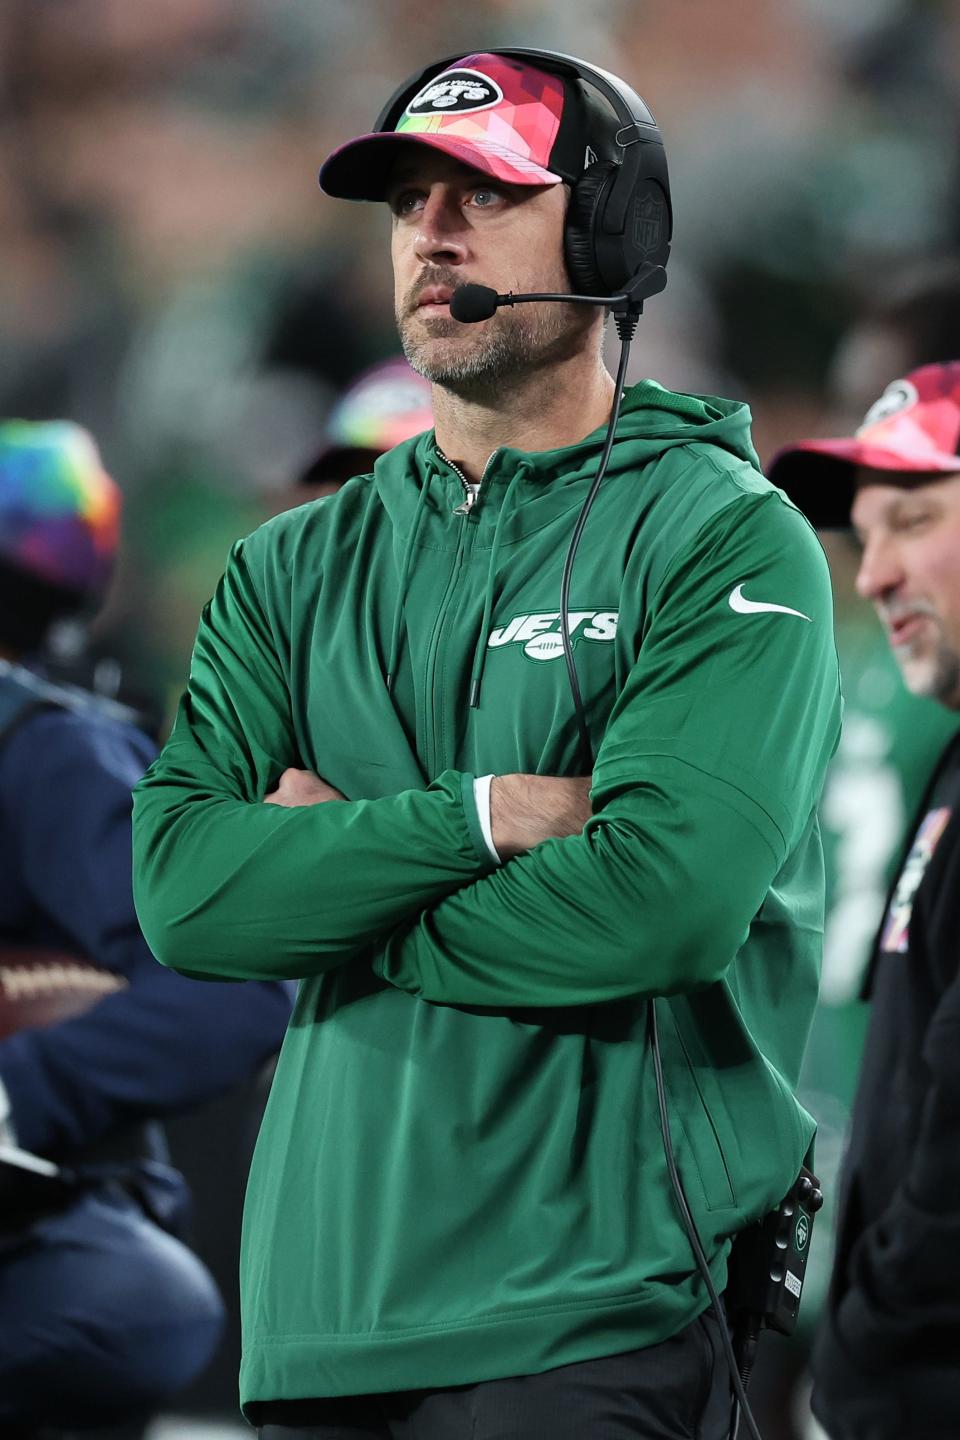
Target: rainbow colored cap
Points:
(491, 112)
(384, 406)
(59, 509)
(911, 434)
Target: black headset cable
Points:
(626, 322)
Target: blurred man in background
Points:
(103, 1312)
(886, 1363)
(891, 740)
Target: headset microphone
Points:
(479, 302)
(470, 303)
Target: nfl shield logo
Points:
(648, 217)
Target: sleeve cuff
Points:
(481, 798)
(471, 814)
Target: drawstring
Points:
(480, 654)
(402, 588)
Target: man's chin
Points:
(441, 356)
(427, 341)
(932, 677)
(916, 671)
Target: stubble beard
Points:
(474, 362)
(932, 673)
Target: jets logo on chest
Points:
(539, 635)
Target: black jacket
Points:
(887, 1360)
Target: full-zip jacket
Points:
(461, 1174)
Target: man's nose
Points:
(441, 233)
(881, 571)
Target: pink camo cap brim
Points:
(877, 457)
(909, 435)
(360, 169)
(819, 476)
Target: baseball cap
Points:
(912, 434)
(59, 509)
(492, 112)
(388, 403)
(385, 405)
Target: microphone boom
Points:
(470, 303)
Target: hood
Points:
(653, 420)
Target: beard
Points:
(474, 361)
(930, 662)
(935, 676)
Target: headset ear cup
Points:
(580, 250)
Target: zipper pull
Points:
(469, 493)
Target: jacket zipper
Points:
(436, 747)
(469, 496)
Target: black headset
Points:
(620, 219)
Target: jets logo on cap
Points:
(898, 396)
(455, 92)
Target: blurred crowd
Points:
(172, 279)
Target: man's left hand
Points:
(301, 787)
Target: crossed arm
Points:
(714, 752)
(586, 909)
(524, 809)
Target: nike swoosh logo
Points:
(743, 606)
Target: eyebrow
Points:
(910, 498)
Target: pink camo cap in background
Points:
(912, 434)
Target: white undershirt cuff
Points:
(481, 795)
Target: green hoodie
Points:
(460, 1174)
